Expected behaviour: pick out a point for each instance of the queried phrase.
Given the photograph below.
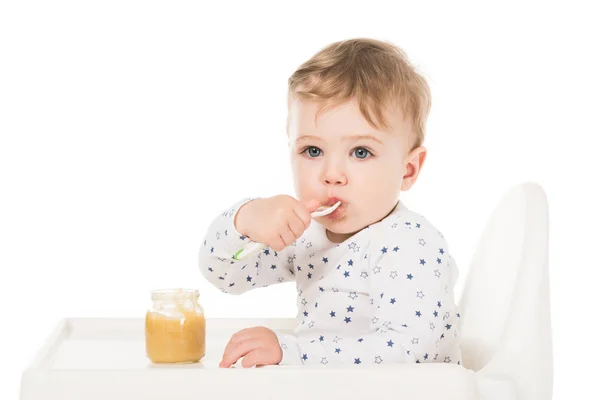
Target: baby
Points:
(374, 279)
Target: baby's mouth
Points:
(333, 200)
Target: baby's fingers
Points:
(296, 226)
(254, 358)
(237, 351)
(288, 237)
(304, 214)
(244, 334)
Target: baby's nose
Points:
(333, 177)
(334, 172)
(335, 181)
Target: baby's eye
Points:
(361, 152)
(313, 151)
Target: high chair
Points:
(505, 306)
(506, 341)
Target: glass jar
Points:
(175, 327)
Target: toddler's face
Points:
(342, 157)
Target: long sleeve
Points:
(413, 315)
(218, 266)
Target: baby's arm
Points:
(410, 293)
(219, 267)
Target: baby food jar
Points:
(175, 327)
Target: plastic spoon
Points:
(253, 247)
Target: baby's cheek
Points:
(306, 182)
(373, 201)
(299, 180)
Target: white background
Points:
(127, 126)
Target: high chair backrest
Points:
(505, 305)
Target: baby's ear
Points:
(412, 166)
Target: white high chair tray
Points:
(96, 359)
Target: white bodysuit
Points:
(385, 295)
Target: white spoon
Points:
(253, 247)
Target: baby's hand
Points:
(275, 221)
(258, 346)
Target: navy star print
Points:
(383, 296)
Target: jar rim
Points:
(174, 294)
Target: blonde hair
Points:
(376, 73)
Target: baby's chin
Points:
(341, 229)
